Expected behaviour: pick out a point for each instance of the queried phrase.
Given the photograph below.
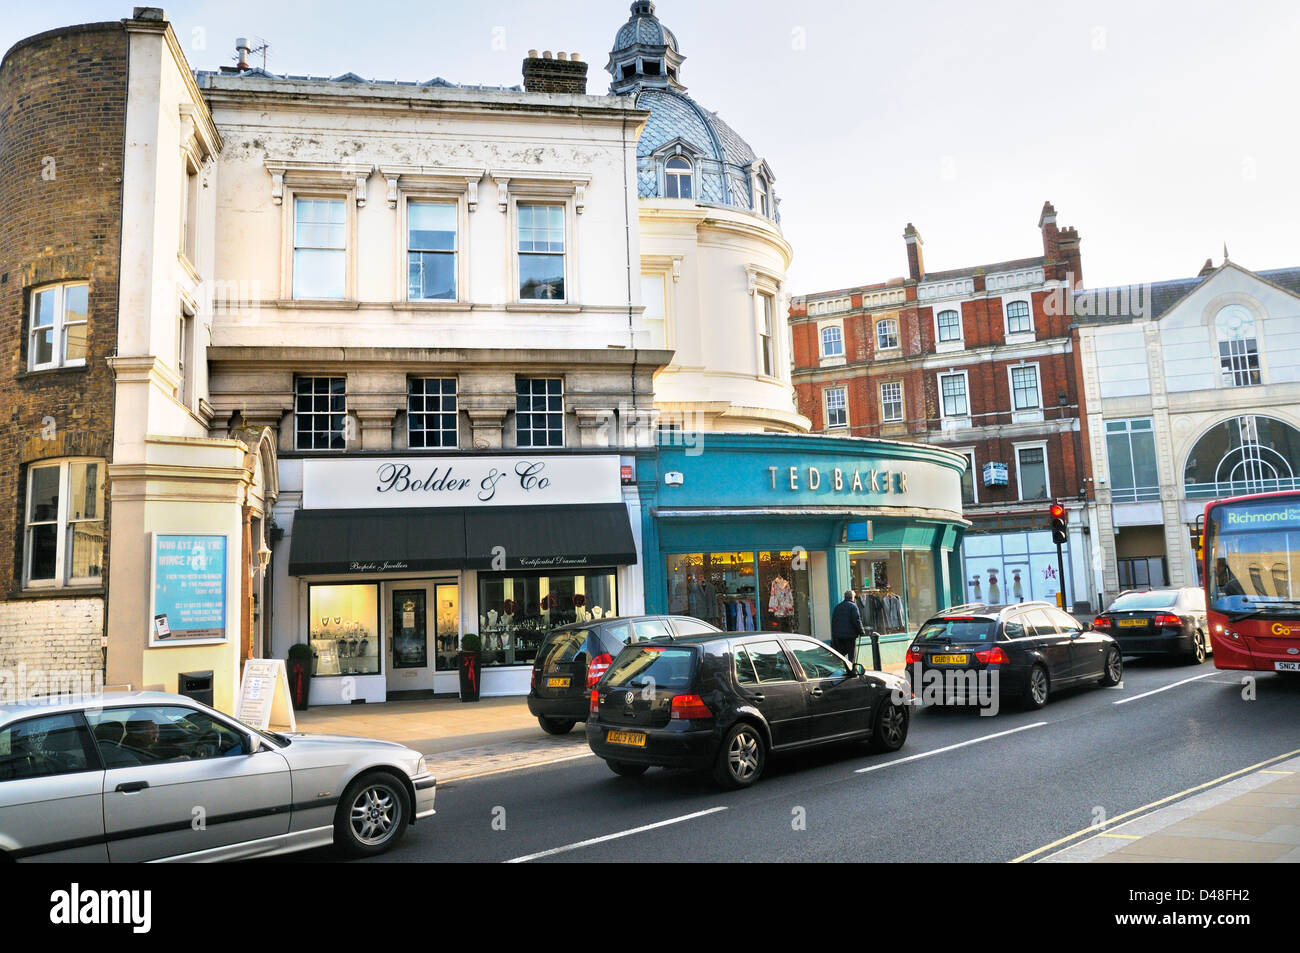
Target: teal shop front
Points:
(765, 532)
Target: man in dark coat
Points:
(846, 626)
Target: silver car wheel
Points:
(1115, 666)
(742, 756)
(891, 725)
(1038, 685)
(376, 814)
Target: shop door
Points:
(1017, 585)
(408, 617)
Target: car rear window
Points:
(1155, 599)
(637, 665)
(964, 629)
(564, 647)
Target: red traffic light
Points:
(1057, 511)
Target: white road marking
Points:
(1157, 691)
(607, 837)
(963, 744)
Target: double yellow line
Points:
(1154, 804)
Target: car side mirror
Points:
(859, 669)
(254, 744)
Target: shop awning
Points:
(549, 537)
(336, 542)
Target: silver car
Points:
(149, 776)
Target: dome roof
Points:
(646, 63)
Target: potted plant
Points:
(299, 671)
(468, 662)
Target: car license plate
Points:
(1132, 623)
(1286, 666)
(949, 659)
(557, 683)
(634, 738)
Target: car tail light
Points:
(1167, 622)
(913, 656)
(595, 702)
(690, 706)
(598, 667)
(1101, 622)
(992, 656)
(532, 681)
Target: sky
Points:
(1161, 130)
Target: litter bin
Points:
(196, 685)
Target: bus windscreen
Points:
(1254, 557)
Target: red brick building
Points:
(979, 360)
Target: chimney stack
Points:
(1068, 242)
(1047, 223)
(915, 260)
(563, 73)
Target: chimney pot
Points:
(575, 58)
(546, 55)
(562, 57)
(532, 54)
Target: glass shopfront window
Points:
(879, 574)
(516, 610)
(741, 591)
(344, 627)
(919, 584)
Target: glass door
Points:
(447, 622)
(409, 619)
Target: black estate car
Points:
(1168, 622)
(726, 701)
(572, 659)
(1027, 651)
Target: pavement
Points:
(1210, 780)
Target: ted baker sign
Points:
(838, 480)
(391, 482)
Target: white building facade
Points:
(1193, 395)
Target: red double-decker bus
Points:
(1252, 581)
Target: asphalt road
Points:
(1014, 783)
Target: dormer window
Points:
(650, 67)
(677, 178)
(761, 202)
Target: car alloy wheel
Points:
(1198, 650)
(743, 758)
(1038, 686)
(375, 814)
(891, 727)
(1114, 668)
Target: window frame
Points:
(826, 407)
(458, 270)
(1028, 333)
(898, 334)
(410, 430)
(1244, 356)
(674, 176)
(943, 412)
(902, 408)
(1038, 387)
(939, 312)
(562, 428)
(839, 334)
(298, 416)
(969, 454)
(348, 249)
(1134, 493)
(62, 523)
(58, 328)
(1016, 448)
(767, 355)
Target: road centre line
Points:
(962, 744)
(1157, 691)
(609, 837)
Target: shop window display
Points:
(344, 627)
(517, 610)
(783, 588)
(922, 595)
(718, 588)
(878, 582)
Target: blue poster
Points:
(189, 588)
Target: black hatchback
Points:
(726, 702)
(971, 653)
(1168, 622)
(572, 658)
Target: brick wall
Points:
(46, 636)
(62, 115)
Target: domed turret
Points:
(645, 53)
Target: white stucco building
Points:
(1193, 394)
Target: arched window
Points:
(677, 178)
(1238, 350)
(832, 342)
(1244, 455)
(886, 334)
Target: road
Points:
(964, 788)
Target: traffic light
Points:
(1057, 513)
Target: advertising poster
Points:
(189, 589)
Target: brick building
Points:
(63, 101)
(979, 360)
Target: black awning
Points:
(333, 542)
(330, 542)
(549, 537)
